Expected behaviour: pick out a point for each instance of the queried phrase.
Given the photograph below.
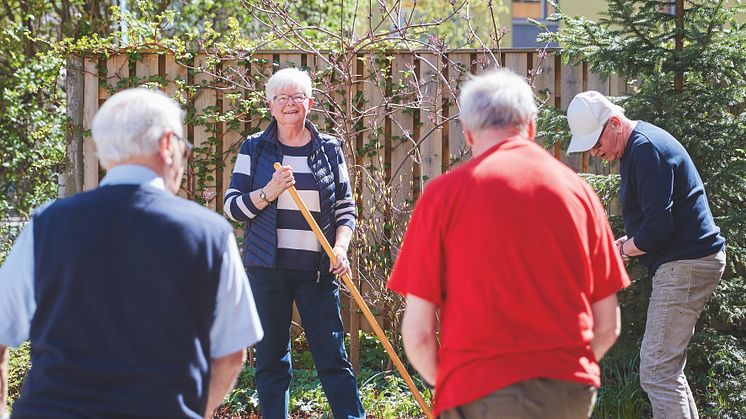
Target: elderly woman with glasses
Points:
(283, 258)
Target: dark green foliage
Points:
(19, 365)
(31, 113)
(716, 371)
(620, 395)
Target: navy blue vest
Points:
(260, 234)
(125, 285)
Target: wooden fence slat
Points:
(544, 80)
(401, 133)
(571, 85)
(459, 70)
(261, 70)
(323, 89)
(174, 73)
(617, 86)
(90, 107)
(232, 128)
(290, 60)
(374, 194)
(117, 69)
(518, 62)
(598, 83)
(486, 61)
(204, 99)
(147, 67)
(431, 138)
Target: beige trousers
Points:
(538, 398)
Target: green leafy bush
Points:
(18, 366)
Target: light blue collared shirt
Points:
(236, 323)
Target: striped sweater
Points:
(295, 245)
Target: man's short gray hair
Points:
(499, 99)
(130, 123)
(289, 77)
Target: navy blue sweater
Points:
(663, 200)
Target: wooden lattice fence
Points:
(396, 112)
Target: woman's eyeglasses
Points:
(283, 99)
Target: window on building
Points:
(524, 32)
(535, 9)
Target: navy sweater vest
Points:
(125, 285)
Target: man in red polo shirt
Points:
(515, 251)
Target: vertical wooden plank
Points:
(90, 107)
(117, 69)
(374, 195)
(320, 111)
(146, 68)
(518, 62)
(431, 134)
(290, 60)
(261, 71)
(203, 133)
(232, 128)
(572, 84)
(543, 82)
(486, 61)
(71, 179)
(176, 74)
(459, 70)
(352, 111)
(617, 85)
(598, 83)
(402, 142)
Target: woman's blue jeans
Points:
(317, 298)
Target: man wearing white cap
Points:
(669, 227)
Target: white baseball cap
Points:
(586, 115)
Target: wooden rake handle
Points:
(359, 300)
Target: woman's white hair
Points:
(130, 123)
(499, 99)
(288, 77)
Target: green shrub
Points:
(18, 366)
(620, 395)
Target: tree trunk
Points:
(72, 179)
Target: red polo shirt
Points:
(513, 248)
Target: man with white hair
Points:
(515, 251)
(669, 227)
(135, 300)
